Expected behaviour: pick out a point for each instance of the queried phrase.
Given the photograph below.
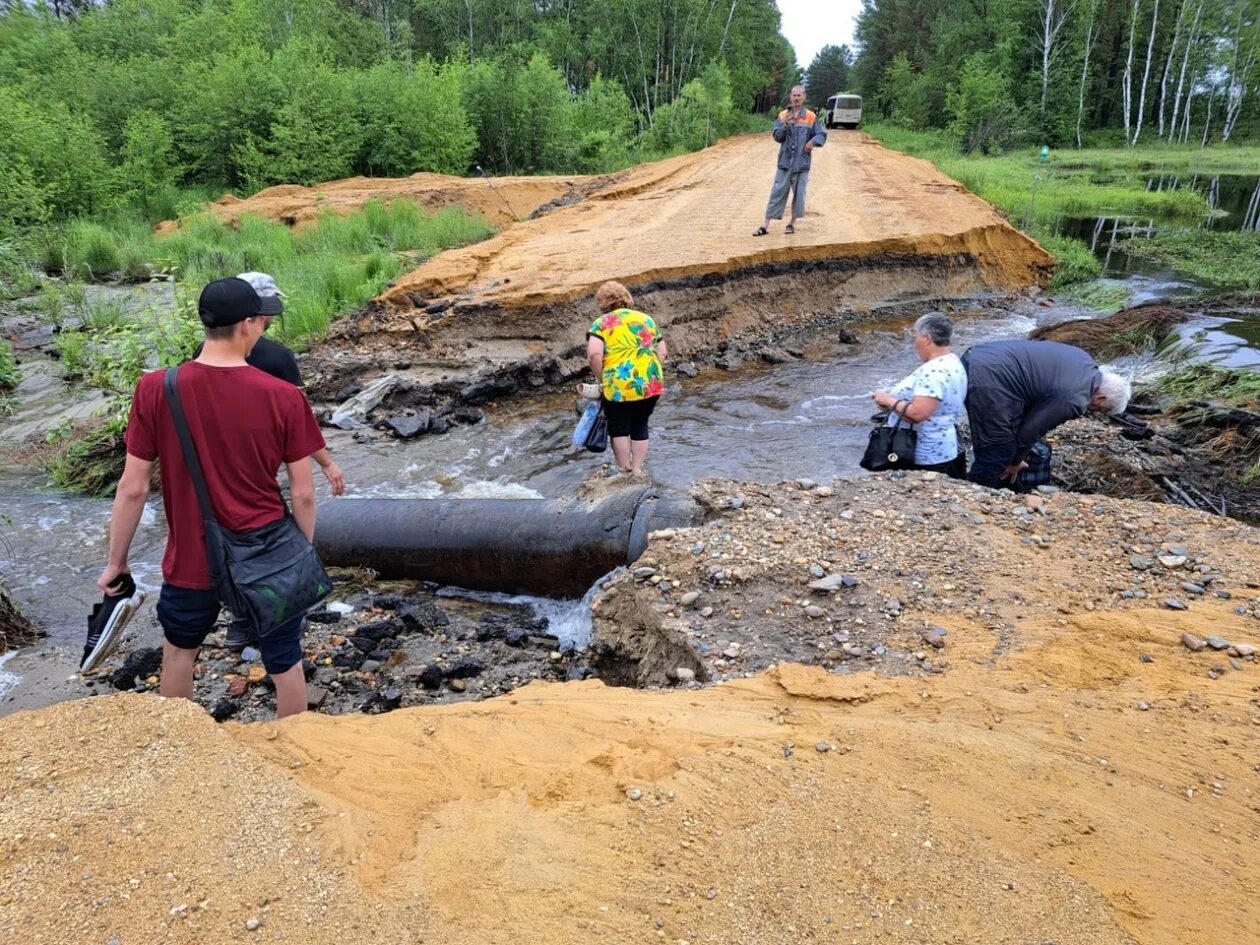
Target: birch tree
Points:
(1168, 61)
(1181, 78)
(1238, 77)
(1054, 13)
(1127, 84)
(1146, 73)
(1091, 36)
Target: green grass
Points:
(1101, 296)
(1229, 259)
(1093, 182)
(1076, 263)
(1087, 183)
(1209, 382)
(9, 375)
(327, 269)
(93, 458)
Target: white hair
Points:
(1115, 392)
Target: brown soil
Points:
(500, 200)
(1072, 774)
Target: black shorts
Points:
(187, 616)
(629, 417)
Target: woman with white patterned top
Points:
(932, 398)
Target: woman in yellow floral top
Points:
(624, 349)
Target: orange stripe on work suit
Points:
(805, 118)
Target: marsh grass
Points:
(1230, 259)
(1100, 182)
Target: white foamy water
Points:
(7, 680)
(568, 620)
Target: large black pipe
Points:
(554, 547)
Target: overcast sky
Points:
(810, 25)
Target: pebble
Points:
(634, 794)
(689, 598)
(1173, 603)
(250, 655)
(1144, 707)
(1237, 664)
(934, 636)
(816, 571)
(806, 484)
(337, 607)
(706, 612)
(1141, 562)
(685, 674)
(814, 611)
(1192, 643)
(831, 582)
(824, 492)
(1047, 490)
(1223, 595)
(1172, 561)
(1191, 588)
(253, 924)
(370, 666)
(1217, 643)
(1245, 650)
(823, 747)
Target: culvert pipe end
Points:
(551, 547)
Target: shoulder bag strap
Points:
(194, 470)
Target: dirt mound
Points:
(1130, 330)
(1072, 773)
(500, 200)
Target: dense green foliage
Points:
(829, 73)
(1000, 73)
(130, 102)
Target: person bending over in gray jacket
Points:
(798, 131)
(1018, 391)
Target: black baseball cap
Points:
(228, 301)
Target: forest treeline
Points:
(131, 102)
(1064, 72)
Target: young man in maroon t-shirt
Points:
(244, 424)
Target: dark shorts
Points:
(188, 616)
(629, 417)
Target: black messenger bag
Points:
(267, 575)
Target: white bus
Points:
(844, 111)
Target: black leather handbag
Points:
(597, 438)
(267, 575)
(890, 447)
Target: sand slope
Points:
(1027, 802)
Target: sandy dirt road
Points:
(882, 229)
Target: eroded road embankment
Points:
(883, 229)
(1058, 767)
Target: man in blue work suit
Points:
(798, 132)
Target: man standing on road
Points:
(244, 424)
(798, 132)
(1018, 391)
(278, 361)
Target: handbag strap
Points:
(900, 417)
